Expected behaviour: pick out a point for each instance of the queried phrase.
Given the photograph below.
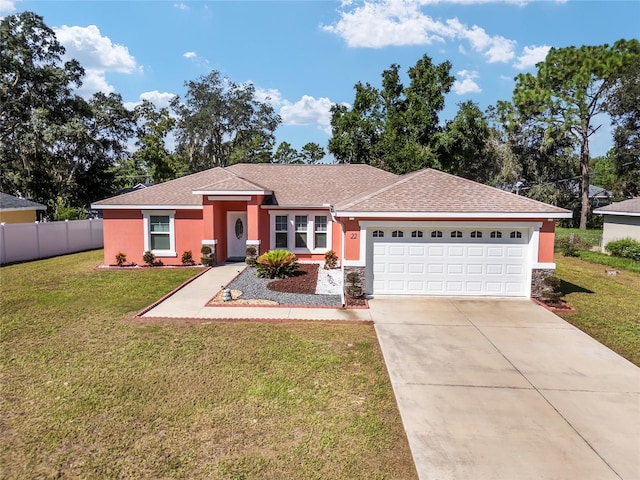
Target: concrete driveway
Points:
(504, 389)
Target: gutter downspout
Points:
(342, 252)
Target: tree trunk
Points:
(584, 173)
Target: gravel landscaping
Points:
(310, 277)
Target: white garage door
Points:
(481, 262)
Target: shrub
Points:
(567, 248)
(149, 258)
(121, 258)
(206, 259)
(187, 258)
(276, 264)
(624, 248)
(252, 254)
(551, 291)
(330, 259)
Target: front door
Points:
(236, 234)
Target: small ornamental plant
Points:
(252, 256)
(276, 264)
(187, 258)
(624, 248)
(205, 259)
(551, 291)
(149, 258)
(330, 260)
(121, 259)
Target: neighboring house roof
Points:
(11, 203)
(347, 187)
(594, 191)
(436, 192)
(629, 208)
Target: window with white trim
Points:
(436, 234)
(416, 234)
(456, 234)
(476, 234)
(320, 234)
(378, 234)
(516, 235)
(397, 234)
(496, 234)
(282, 231)
(159, 232)
(301, 231)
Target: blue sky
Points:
(307, 55)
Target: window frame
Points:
(496, 234)
(317, 231)
(476, 234)
(397, 234)
(436, 234)
(310, 230)
(417, 234)
(277, 231)
(515, 234)
(146, 221)
(456, 234)
(377, 234)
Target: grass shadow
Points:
(568, 287)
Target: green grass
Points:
(607, 306)
(90, 392)
(590, 237)
(614, 262)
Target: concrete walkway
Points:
(191, 302)
(504, 389)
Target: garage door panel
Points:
(452, 266)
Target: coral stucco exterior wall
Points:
(547, 238)
(188, 236)
(123, 231)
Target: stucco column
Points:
(253, 217)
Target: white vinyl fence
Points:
(29, 241)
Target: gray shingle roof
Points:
(626, 207)
(438, 192)
(348, 187)
(9, 202)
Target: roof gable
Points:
(433, 191)
(629, 207)
(9, 202)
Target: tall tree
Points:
(624, 107)
(464, 147)
(567, 92)
(152, 155)
(312, 152)
(221, 122)
(286, 154)
(396, 127)
(35, 91)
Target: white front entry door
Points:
(444, 266)
(236, 234)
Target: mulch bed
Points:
(556, 307)
(303, 281)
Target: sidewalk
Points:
(191, 300)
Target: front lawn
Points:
(89, 392)
(607, 306)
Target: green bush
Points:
(149, 258)
(551, 291)
(624, 248)
(276, 264)
(566, 247)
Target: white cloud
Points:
(531, 56)
(377, 24)
(181, 6)
(466, 84)
(159, 99)
(306, 111)
(189, 54)
(8, 6)
(97, 54)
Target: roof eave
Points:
(625, 214)
(145, 207)
(231, 192)
(22, 209)
(478, 215)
